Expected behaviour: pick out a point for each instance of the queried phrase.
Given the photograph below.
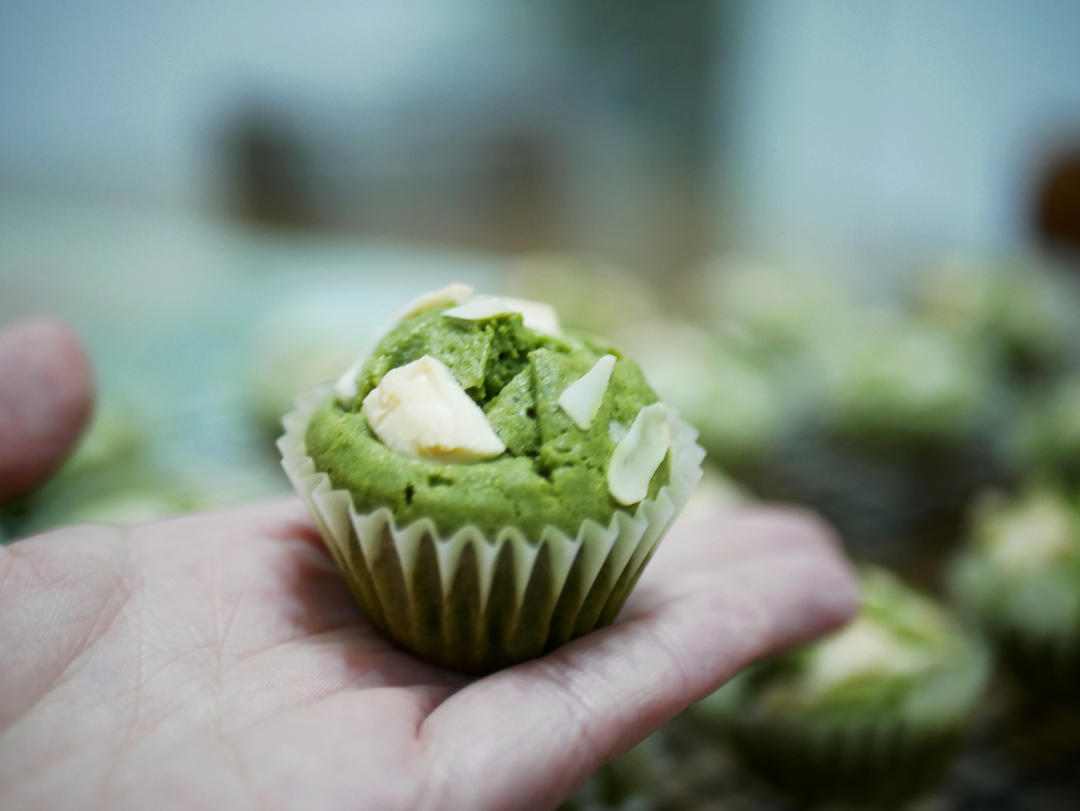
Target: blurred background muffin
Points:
(870, 714)
(1046, 439)
(1017, 306)
(1019, 578)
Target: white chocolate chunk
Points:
(1042, 534)
(453, 293)
(420, 410)
(616, 430)
(859, 649)
(582, 398)
(345, 388)
(639, 454)
(537, 316)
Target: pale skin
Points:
(217, 661)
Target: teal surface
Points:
(176, 308)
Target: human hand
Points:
(217, 661)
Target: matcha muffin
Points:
(1015, 307)
(903, 381)
(1019, 578)
(869, 714)
(895, 434)
(490, 485)
(773, 310)
(1047, 440)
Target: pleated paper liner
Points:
(883, 764)
(475, 603)
(1036, 643)
(1047, 666)
(881, 759)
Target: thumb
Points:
(46, 395)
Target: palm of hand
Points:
(218, 661)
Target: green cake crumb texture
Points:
(552, 472)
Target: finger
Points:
(46, 394)
(726, 590)
(752, 542)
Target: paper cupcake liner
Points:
(881, 758)
(882, 763)
(1047, 666)
(476, 603)
(900, 511)
(1040, 648)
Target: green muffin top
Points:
(1016, 305)
(901, 657)
(477, 410)
(774, 309)
(904, 380)
(1021, 567)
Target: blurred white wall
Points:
(891, 123)
(119, 96)
(894, 122)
